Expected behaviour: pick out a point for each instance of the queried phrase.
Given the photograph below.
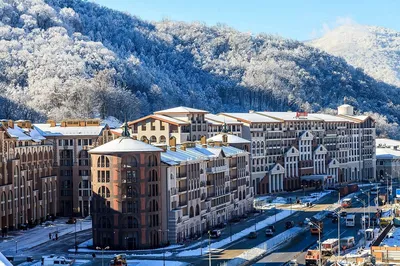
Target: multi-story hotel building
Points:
(387, 159)
(220, 123)
(206, 184)
(71, 140)
(28, 187)
(291, 150)
(183, 123)
(127, 201)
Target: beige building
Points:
(71, 140)
(28, 185)
(183, 123)
(290, 150)
(206, 184)
(387, 159)
(220, 123)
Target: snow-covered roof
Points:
(220, 120)
(24, 134)
(385, 149)
(289, 116)
(251, 117)
(232, 139)
(4, 261)
(125, 144)
(165, 118)
(181, 109)
(330, 118)
(48, 131)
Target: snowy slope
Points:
(375, 49)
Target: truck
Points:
(316, 227)
(312, 258)
(346, 203)
(329, 247)
(56, 260)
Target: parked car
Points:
(331, 214)
(71, 220)
(293, 263)
(269, 232)
(215, 233)
(252, 235)
(221, 225)
(343, 214)
(23, 227)
(334, 219)
(235, 219)
(289, 224)
(29, 259)
(271, 227)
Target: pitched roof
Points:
(251, 118)
(220, 120)
(232, 139)
(47, 131)
(125, 144)
(181, 109)
(164, 118)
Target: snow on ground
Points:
(392, 239)
(4, 261)
(266, 247)
(110, 253)
(155, 263)
(87, 243)
(40, 234)
(216, 245)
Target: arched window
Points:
(153, 176)
(3, 201)
(194, 137)
(129, 161)
(46, 155)
(152, 161)
(191, 212)
(131, 222)
(10, 199)
(131, 192)
(258, 144)
(153, 139)
(23, 157)
(104, 192)
(103, 162)
(40, 155)
(163, 139)
(244, 194)
(197, 210)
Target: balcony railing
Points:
(217, 169)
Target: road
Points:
(239, 247)
(297, 248)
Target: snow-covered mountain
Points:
(74, 58)
(374, 49)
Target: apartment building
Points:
(290, 150)
(183, 123)
(127, 202)
(28, 185)
(71, 140)
(220, 123)
(387, 159)
(206, 184)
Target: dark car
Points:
(271, 227)
(343, 214)
(221, 225)
(23, 227)
(252, 235)
(235, 219)
(29, 259)
(71, 220)
(289, 224)
(215, 233)
(334, 219)
(331, 214)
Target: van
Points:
(56, 260)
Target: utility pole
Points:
(209, 248)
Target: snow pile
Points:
(265, 247)
(4, 261)
(40, 234)
(216, 245)
(155, 263)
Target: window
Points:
(103, 161)
(104, 192)
(79, 142)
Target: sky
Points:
(296, 19)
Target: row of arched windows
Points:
(192, 213)
(35, 157)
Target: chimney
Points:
(52, 123)
(173, 148)
(172, 141)
(203, 140)
(82, 123)
(10, 124)
(183, 147)
(63, 123)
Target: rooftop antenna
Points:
(125, 129)
(224, 129)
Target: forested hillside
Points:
(72, 58)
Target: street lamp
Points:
(16, 246)
(319, 239)
(209, 248)
(102, 253)
(162, 236)
(369, 202)
(364, 222)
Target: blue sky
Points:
(296, 19)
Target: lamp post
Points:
(364, 222)
(319, 239)
(16, 246)
(209, 248)
(369, 202)
(102, 253)
(162, 236)
(76, 247)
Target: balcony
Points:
(182, 203)
(182, 189)
(217, 169)
(209, 183)
(181, 176)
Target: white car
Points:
(293, 263)
(269, 232)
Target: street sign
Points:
(397, 192)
